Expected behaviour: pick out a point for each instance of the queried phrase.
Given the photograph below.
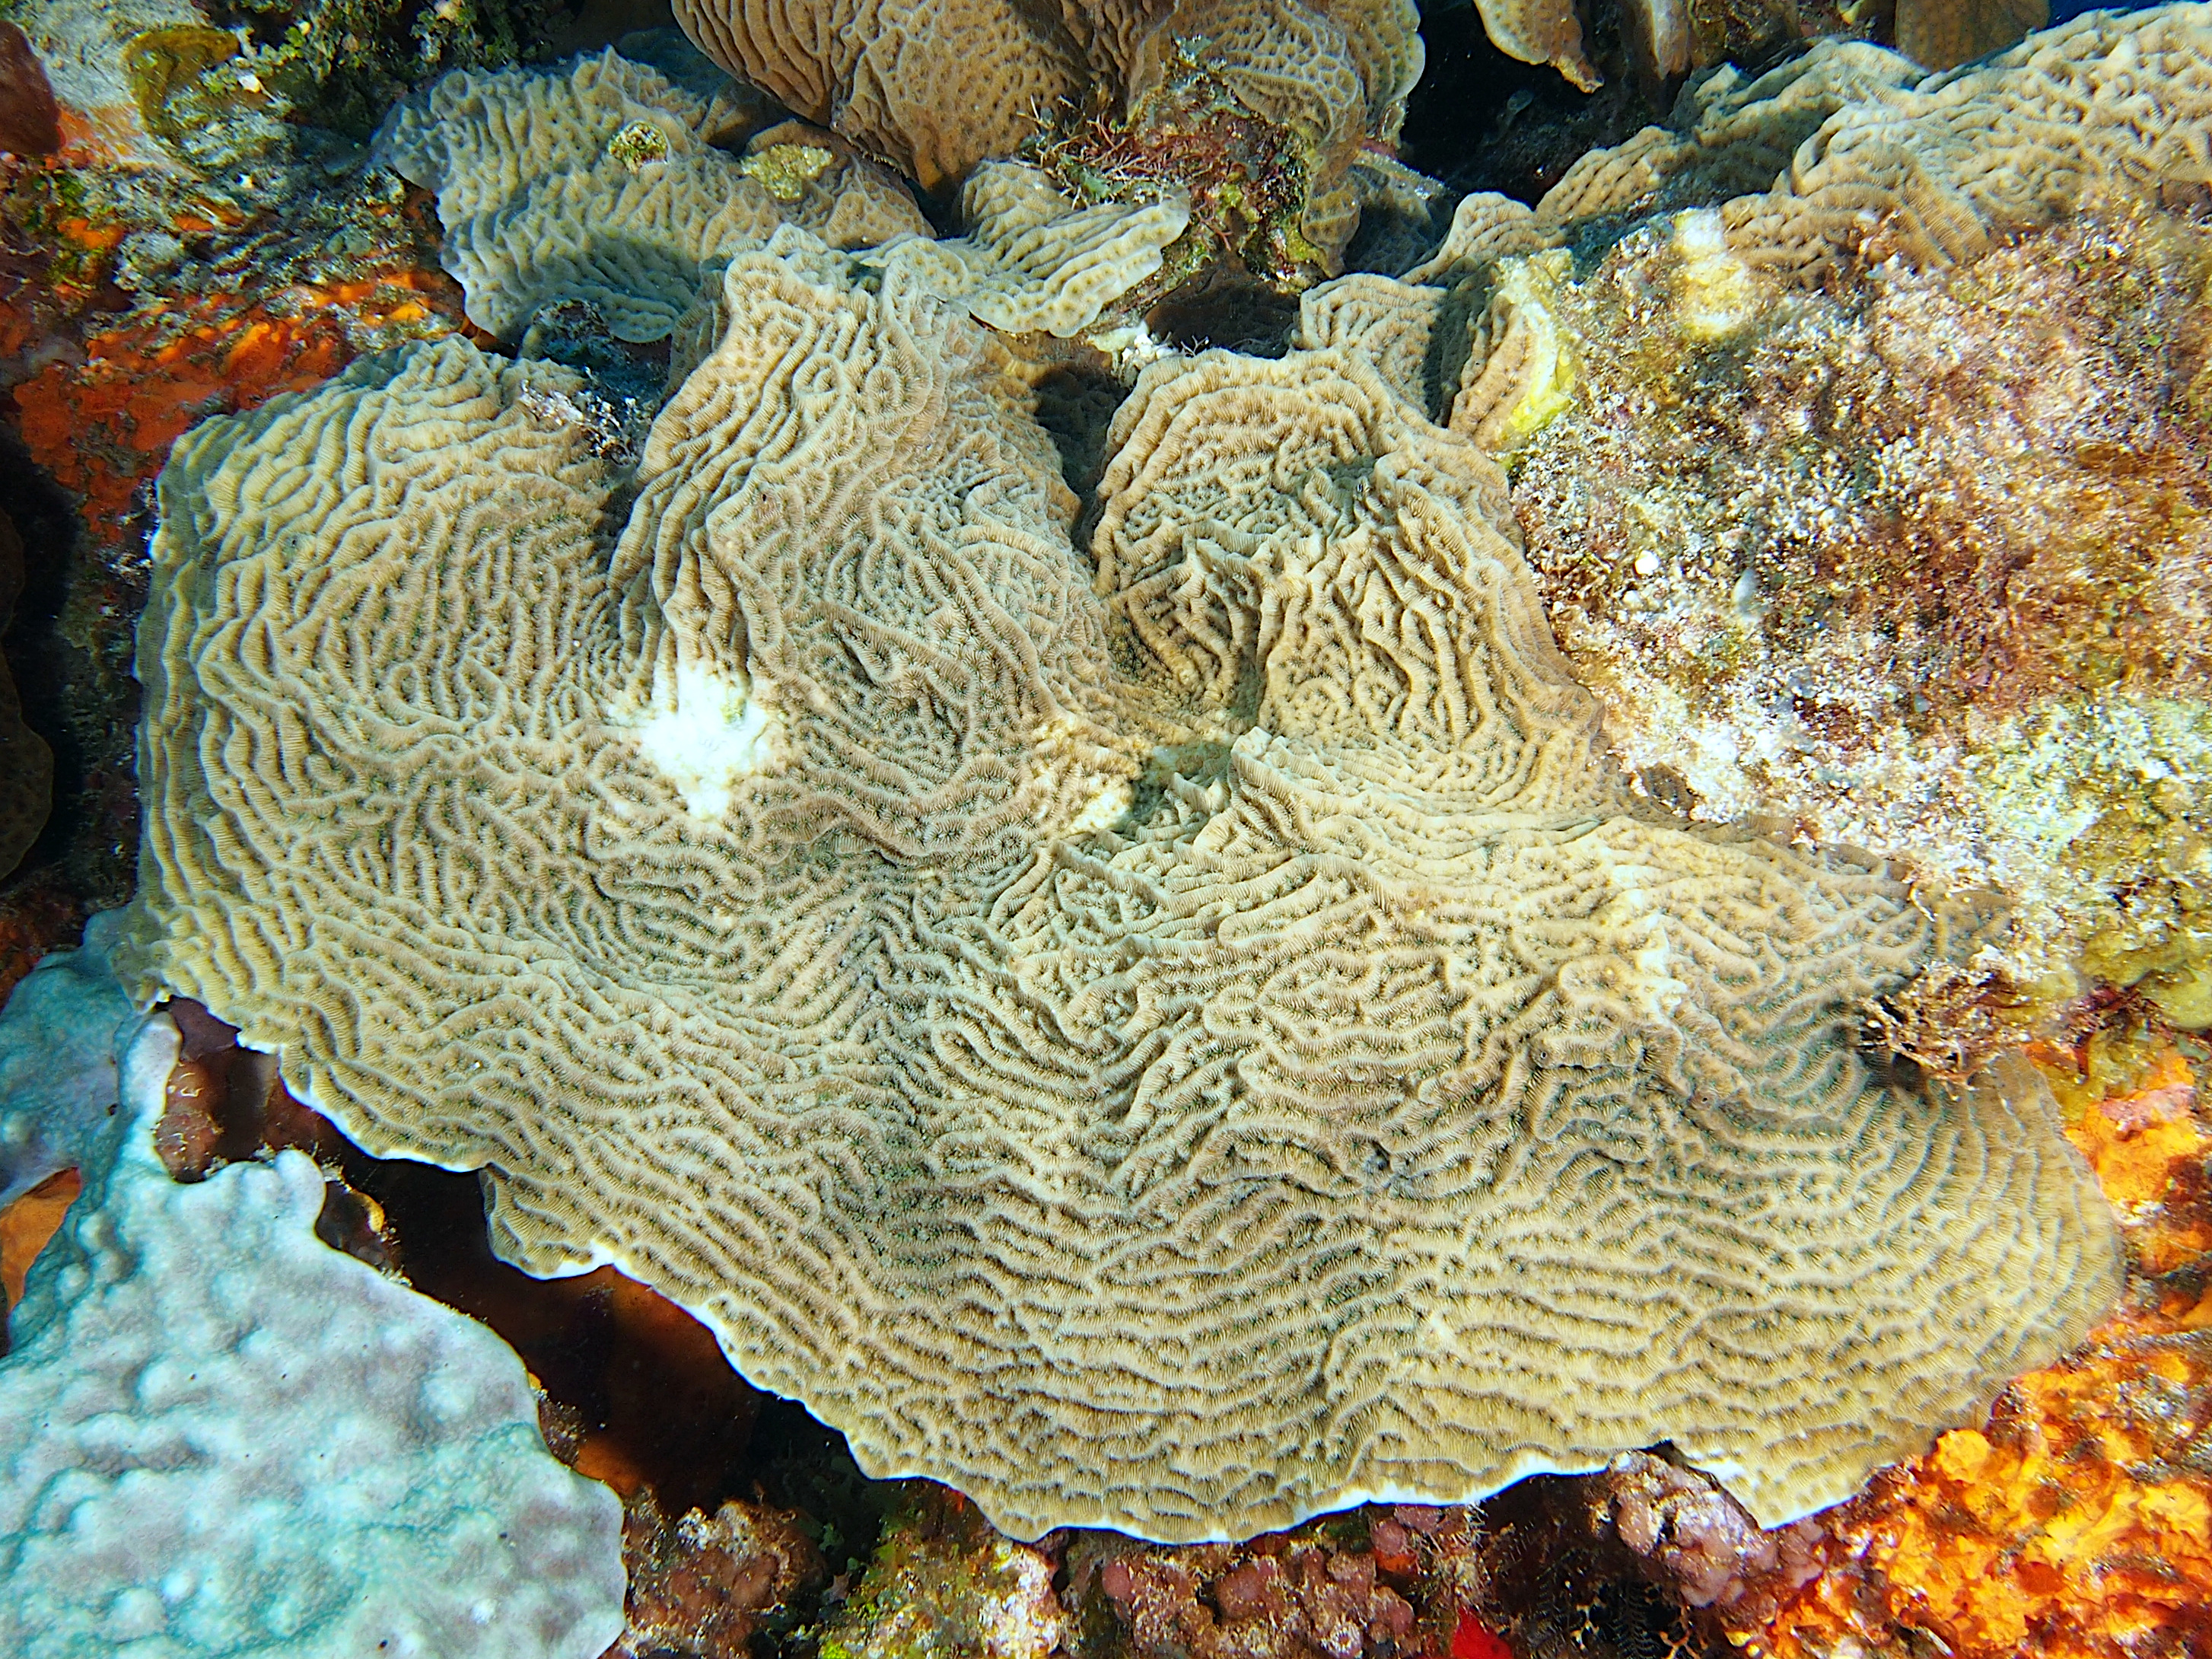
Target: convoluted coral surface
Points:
(937, 89)
(1180, 1056)
(601, 183)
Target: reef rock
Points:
(1914, 562)
(25, 761)
(246, 1440)
(1176, 1040)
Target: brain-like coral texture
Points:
(1178, 1039)
(247, 1442)
(600, 182)
(935, 90)
(932, 85)
(1034, 259)
(1863, 150)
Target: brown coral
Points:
(1182, 1060)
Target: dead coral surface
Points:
(1919, 563)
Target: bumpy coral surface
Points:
(57, 1046)
(1183, 1027)
(246, 1440)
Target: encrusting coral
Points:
(1181, 1055)
(246, 1439)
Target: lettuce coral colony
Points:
(1184, 941)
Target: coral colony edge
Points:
(1137, 828)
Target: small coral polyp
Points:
(1383, 1102)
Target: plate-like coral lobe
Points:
(1177, 1041)
(600, 181)
(1540, 32)
(1851, 143)
(1034, 259)
(932, 85)
(936, 89)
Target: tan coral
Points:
(1540, 32)
(1736, 135)
(1334, 74)
(1849, 142)
(1783, 177)
(1393, 324)
(1032, 258)
(1175, 1041)
(938, 90)
(931, 86)
(601, 184)
(2102, 107)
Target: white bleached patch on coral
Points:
(704, 733)
(1716, 293)
(1106, 809)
